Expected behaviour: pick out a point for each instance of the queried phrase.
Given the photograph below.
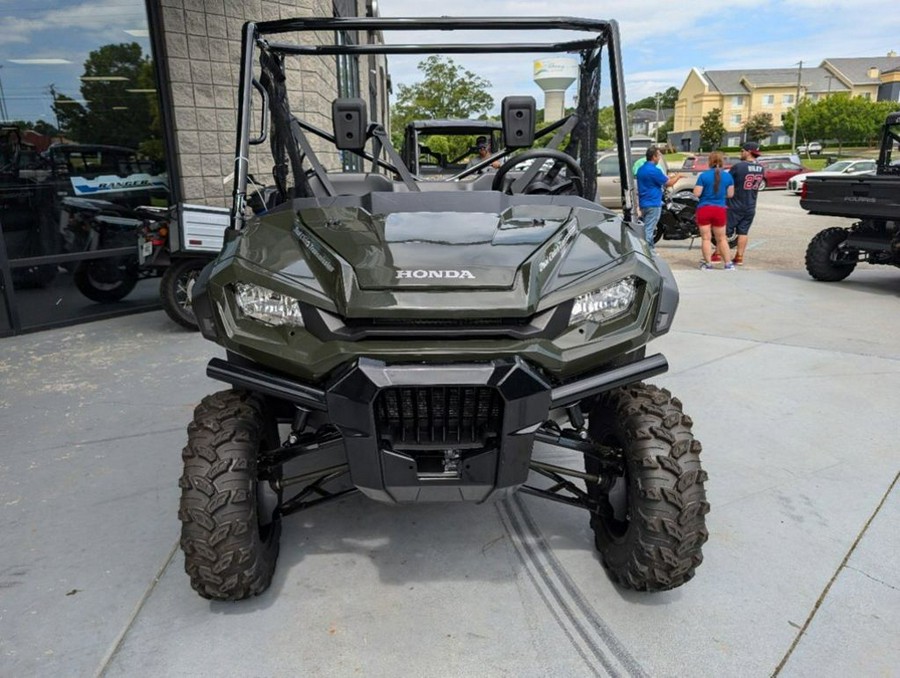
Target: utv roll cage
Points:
(413, 149)
(888, 158)
(291, 149)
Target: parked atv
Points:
(441, 148)
(413, 341)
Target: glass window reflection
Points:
(80, 147)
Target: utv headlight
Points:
(272, 308)
(606, 303)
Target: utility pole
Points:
(656, 132)
(796, 109)
(4, 116)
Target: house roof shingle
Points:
(649, 114)
(811, 79)
(856, 70)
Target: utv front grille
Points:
(415, 323)
(439, 417)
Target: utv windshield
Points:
(307, 156)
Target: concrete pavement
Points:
(793, 386)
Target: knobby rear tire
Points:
(819, 262)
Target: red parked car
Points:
(698, 163)
(779, 171)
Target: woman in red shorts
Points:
(714, 187)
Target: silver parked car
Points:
(852, 166)
(609, 185)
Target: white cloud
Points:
(662, 40)
(90, 16)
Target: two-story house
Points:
(647, 120)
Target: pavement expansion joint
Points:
(824, 594)
(120, 639)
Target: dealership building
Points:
(134, 102)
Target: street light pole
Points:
(796, 109)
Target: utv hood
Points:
(372, 255)
(434, 249)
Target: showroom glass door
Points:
(81, 146)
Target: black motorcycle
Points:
(89, 225)
(677, 222)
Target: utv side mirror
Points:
(518, 116)
(349, 119)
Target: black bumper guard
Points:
(400, 475)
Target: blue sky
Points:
(663, 40)
(65, 32)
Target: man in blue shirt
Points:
(651, 181)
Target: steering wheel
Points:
(544, 183)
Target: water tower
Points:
(554, 77)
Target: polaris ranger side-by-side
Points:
(874, 199)
(414, 340)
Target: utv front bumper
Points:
(451, 432)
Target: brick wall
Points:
(203, 43)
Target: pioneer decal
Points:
(115, 184)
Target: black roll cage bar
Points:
(255, 36)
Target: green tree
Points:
(880, 110)
(606, 127)
(712, 130)
(839, 118)
(69, 113)
(667, 99)
(111, 114)
(843, 118)
(447, 91)
(662, 134)
(809, 124)
(758, 126)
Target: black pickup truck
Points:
(873, 199)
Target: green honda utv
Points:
(416, 341)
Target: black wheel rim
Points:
(614, 495)
(107, 275)
(268, 501)
(268, 496)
